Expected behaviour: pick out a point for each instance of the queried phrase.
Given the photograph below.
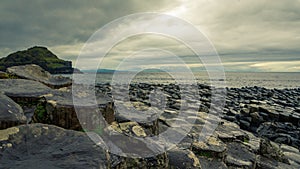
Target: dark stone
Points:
(21, 89)
(232, 112)
(295, 119)
(271, 151)
(265, 163)
(273, 115)
(245, 111)
(212, 147)
(229, 132)
(264, 115)
(229, 118)
(147, 119)
(47, 146)
(284, 117)
(11, 114)
(239, 156)
(253, 108)
(183, 159)
(244, 125)
(35, 72)
(246, 118)
(280, 132)
(210, 163)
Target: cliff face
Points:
(40, 56)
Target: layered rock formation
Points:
(35, 72)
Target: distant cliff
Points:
(40, 56)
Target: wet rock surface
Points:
(35, 72)
(11, 114)
(46, 146)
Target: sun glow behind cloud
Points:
(256, 35)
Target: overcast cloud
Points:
(249, 35)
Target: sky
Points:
(248, 35)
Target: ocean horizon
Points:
(279, 80)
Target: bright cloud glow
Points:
(256, 35)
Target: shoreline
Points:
(258, 127)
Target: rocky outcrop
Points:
(47, 146)
(258, 129)
(270, 113)
(23, 90)
(11, 114)
(40, 56)
(58, 108)
(212, 147)
(250, 116)
(44, 105)
(35, 72)
(179, 158)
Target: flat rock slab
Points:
(11, 114)
(35, 72)
(21, 88)
(239, 156)
(50, 147)
(80, 97)
(229, 132)
(212, 147)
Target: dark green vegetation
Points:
(40, 56)
(41, 112)
(205, 154)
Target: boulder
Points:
(265, 163)
(285, 133)
(229, 132)
(147, 119)
(46, 146)
(183, 159)
(132, 129)
(11, 114)
(129, 151)
(239, 156)
(23, 90)
(211, 163)
(35, 72)
(272, 151)
(212, 148)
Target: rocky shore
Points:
(40, 125)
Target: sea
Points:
(232, 79)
